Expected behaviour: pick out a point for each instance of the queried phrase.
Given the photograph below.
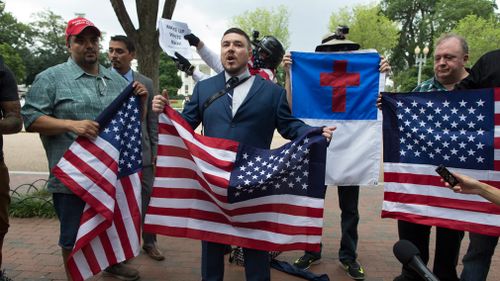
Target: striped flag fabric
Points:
(340, 89)
(459, 129)
(222, 191)
(105, 173)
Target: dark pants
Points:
(257, 267)
(149, 239)
(477, 260)
(446, 252)
(349, 219)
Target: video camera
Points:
(341, 32)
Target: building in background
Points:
(187, 81)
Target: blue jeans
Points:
(69, 210)
(477, 260)
(349, 219)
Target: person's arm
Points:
(10, 115)
(287, 65)
(11, 122)
(468, 185)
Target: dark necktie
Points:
(229, 84)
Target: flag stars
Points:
(480, 102)
(446, 103)
(414, 104)
(429, 104)
(462, 103)
(462, 117)
(480, 159)
(462, 158)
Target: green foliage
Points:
(421, 22)
(13, 60)
(368, 27)
(48, 32)
(12, 32)
(406, 80)
(168, 78)
(482, 35)
(272, 21)
(35, 204)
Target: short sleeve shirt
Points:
(429, 86)
(8, 92)
(65, 91)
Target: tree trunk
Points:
(146, 36)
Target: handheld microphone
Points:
(409, 255)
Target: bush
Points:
(33, 202)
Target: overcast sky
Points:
(208, 19)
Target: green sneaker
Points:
(353, 269)
(307, 260)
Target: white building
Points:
(187, 81)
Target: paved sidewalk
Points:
(30, 251)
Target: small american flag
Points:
(226, 192)
(459, 129)
(105, 173)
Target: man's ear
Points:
(466, 58)
(132, 54)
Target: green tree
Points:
(146, 35)
(50, 48)
(272, 21)
(421, 22)
(13, 60)
(368, 27)
(169, 79)
(12, 32)
(482, 35)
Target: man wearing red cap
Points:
(61, 105)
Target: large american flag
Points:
(223, 191)
(105, 173)
(459, 129)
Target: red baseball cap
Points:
(77, 25)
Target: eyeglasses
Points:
(101, 85)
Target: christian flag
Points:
(341, 89)
(223, 191)
(459, 129)
(105, 173)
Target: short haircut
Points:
(240, 32)
(125, 40)
(447, 36)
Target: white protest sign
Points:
(172, 38)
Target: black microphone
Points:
(409, 255)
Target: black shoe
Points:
(307, 260)
(353, 269)
(122, 272)
(4, 277)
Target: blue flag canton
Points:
(450, 128)
(259, 172)
(124, 133)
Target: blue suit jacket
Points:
(264, 109)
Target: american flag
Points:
(223, 191)
(105, 173)
(459, 129)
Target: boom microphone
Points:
(409, 255)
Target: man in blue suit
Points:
(249, 114)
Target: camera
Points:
(341, 32)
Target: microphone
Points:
(409, 255)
